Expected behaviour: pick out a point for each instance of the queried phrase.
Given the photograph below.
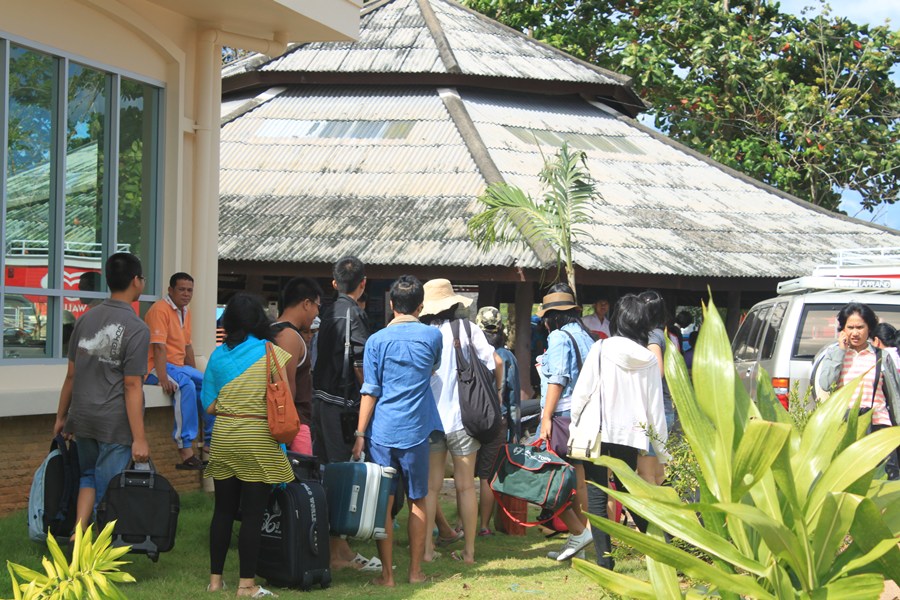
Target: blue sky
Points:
(874, 12)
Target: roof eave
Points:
(622, 99)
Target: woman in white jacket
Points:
(619, 396)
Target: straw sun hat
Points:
(557, 301)
(439, 296)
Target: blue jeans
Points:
(99, 462)
(187, 405)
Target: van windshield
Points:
(818, 326)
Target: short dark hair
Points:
(121, 269)
(656, 308)
(180, 275)
(297, 290)
(683, 319)
(497, 339)
(244, 315)
(407, 294)
(349, 272)
(887, 333)
(631, 320)
(857, 308)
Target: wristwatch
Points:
(359, 433)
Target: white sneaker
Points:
(554, 555)
(574, 544)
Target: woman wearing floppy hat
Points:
(567, 345)
(439, 310)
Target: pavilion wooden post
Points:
(524, 302)
(733, 316)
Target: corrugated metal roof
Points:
(661, 210)
(313, 198)
(395, 38)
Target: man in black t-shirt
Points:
(337, 377)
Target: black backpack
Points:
(479, 404)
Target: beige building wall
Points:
(177, 45)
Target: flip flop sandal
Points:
(442, 541)
(485, 532)
(360, 562)
(374, 565)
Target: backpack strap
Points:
(877, 381)
(575, 346)
(457, 345)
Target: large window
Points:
(79, 181)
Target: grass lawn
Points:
(507, 567)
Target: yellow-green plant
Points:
(92, 572)
(783, 513)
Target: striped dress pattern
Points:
(863, 363)
(243, 447)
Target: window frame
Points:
(55, 291)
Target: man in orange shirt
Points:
(172, 366)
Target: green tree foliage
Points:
(803, 103)
(551, 221)
(783, 512)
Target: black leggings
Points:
(251, 498)
(597, 498)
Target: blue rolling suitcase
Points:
(357, 498)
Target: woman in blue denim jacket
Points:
(567, 345)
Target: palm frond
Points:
(511, 215)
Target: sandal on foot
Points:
(260, 592)
(442, 541)
(360, 562)
(209, 588)
(457, 555)
(485, 532)
(191, 463)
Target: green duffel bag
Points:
(538, 476)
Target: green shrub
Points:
(786, 510)
(91, 573)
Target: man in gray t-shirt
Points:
(102, 398)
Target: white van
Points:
(783, 334)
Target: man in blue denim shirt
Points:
(398, 413)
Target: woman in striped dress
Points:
(245, 460)
(854, 355)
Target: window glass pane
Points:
(85, 137)
(32, 87)
(25, 326)
(138, 127)
(746, 345)
(771, 336)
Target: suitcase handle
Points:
(133, 473)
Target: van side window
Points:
(746, 343)
(776, 316)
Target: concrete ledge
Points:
(34, 390)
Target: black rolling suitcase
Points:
(294, 549)
(145, 507)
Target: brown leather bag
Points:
(284, 423)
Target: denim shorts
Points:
(412, 462)
(459, 443)
(99, 462)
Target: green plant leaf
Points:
(759, 447)
(821, 437)
(857, 587)
(663, 577)
(59, 559)
(673, 516)
(681, 560)
(616, 582)
(863, 455)
(698, 429)
(714, 376)
(886, 496)
(835, 520)
(877, 551)
(868, 528)
(780, 540)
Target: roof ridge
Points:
(619, 77)
(445, 51)
(370, 7)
